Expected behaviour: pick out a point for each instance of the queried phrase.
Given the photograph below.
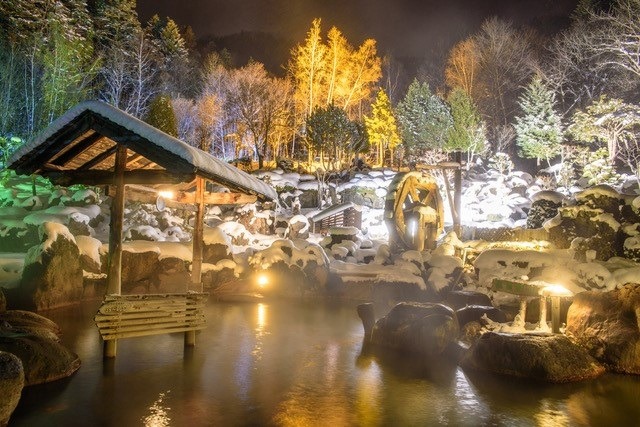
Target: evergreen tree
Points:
(49, 43)
(175, 65)
(329, 132)
(424, 120)
(467, 132)
(381, 126)
(609, 121)
(161, 115)
(115, 23)
(539, 129)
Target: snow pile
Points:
(91, 248)
(298, 253)
(556, 267)
(368, 273)
(52, 231)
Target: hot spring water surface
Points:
(292, 363)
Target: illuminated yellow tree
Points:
(364, 72)
(307, 66)
(381, 126)
(462, 65)
(333, 73)
(338, 53)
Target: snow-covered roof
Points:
(84, 127)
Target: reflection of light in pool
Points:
(552, 413)
(159, 414)
(368, 395)
(261, 319)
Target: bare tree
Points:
(505, 63)
(618, 42)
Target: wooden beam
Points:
(457, 197)
(77, 149)
(102, 177)
(114, 269)
(99, 158)
(33, 160)
(198, 243)
(218, 198)
(141, 145)
(196, 266)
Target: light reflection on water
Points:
(158, 414)
(297, 364)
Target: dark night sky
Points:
(404, 27)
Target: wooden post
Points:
(457, 198)
(114, 276)
(555, 314)
(196, 264)
(543, 312)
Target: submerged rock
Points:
(11, 384)
(473, 313)
(34, 340)
(459, 299)
(422, 328)
(606, 324)
(541, 357)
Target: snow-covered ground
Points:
(489, 201)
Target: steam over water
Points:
(293, 363)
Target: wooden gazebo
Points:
(97, 144)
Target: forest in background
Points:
(506, 94)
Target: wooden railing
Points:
(127, 316)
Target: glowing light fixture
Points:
(263, 280)
(555, 292)
(166, 194)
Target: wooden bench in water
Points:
(127, 316)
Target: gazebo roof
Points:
(80, 147)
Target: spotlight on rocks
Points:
(555, 292)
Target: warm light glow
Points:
(555, 291)
(158, 413)
(263, 280)
(261, 318)
(166, 194)
(412, 226)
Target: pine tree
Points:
(424, 120)
(161, 115)
(539, 130)
(467, 132)
(609, 121)
(115, 23)
(329, 132)
(381, 126)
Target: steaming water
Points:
(296, 364)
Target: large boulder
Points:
(139, 269)
(473, 313)
(542, 357)
(32, 338)
(460, 299)
(544, 206)
(420, 328)
(11, 384)
(606, 324)
(52, 273)
(586, 230)
(28, 322)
